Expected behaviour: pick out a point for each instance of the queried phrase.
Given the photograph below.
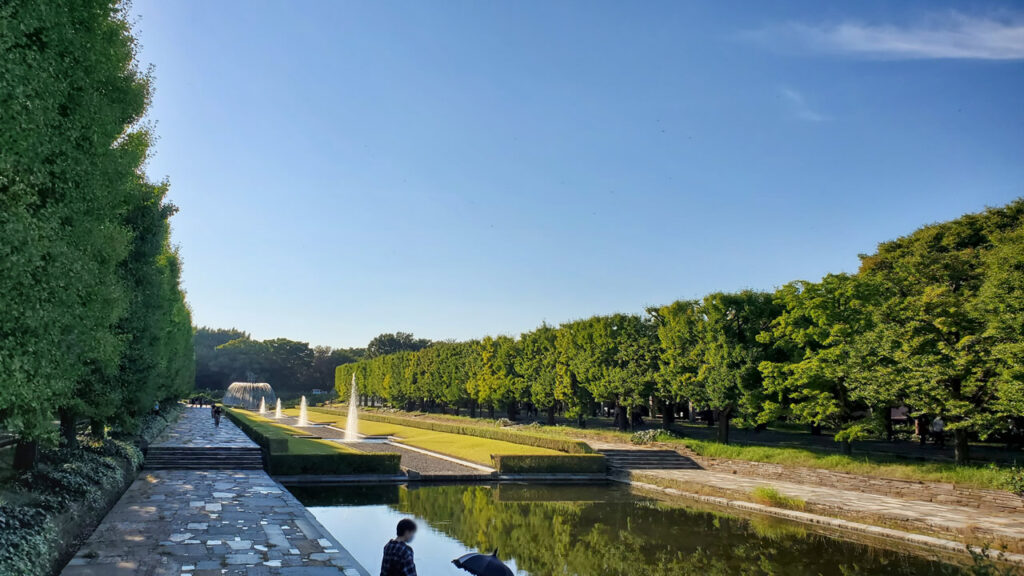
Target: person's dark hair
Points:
(405, 526)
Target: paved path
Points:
(942, 517)
(210, 523)
(195, 429)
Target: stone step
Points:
(647, 460)
(197, 466)
(203, 458)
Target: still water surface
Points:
(589, 531)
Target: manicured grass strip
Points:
(877, 465)
(273, 430)
(471, 448)
(468, 427)
(866, 465)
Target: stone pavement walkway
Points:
(930, 516)
(195, 429)
(210, 523)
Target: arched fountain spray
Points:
(263, 405)
(277, 411)
(352, 422)
(303, 416)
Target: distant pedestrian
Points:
(217, 413)
(938, 431)
(156, 407)
(398, 560)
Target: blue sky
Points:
(461, 168)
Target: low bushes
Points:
(567, 464)
(288, 455)
(45, 511)
(567, 445)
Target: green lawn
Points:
(469, 448)
(867, 465)
(879, 465)
(295, 445)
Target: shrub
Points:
(653, 435)
(545, 464)
(1015, 480)
(772, 497)
(566, 445)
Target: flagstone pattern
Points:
(210, 523)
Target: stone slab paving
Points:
(210, 523)
(943, 517)
(196, 429)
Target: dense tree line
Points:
(224, 356)
(94, 323)
(933, 321)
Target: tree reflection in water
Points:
(607, 531)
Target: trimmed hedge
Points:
(285, 454)
(273, 439)
(542, 464)
(339, 463)
(514, 436)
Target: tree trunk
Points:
(690, 413)
(472, 409)
(68, 434)
(815, 429)
(551, 415)
(668, 415)
(490, 411)
(723, 425)
(513, 411)
(25, 454)
(961, 449)
(621, 418)
(98, 428)
(887, 417)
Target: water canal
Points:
(549, 530)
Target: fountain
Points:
(277, 411)
(263, 405)
(248, 395)
(352, 422)
(303, 416)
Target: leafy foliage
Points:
(933, 321)
(95, 322)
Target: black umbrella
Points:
(482, 564)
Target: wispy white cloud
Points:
(951, 35)
(799, 106)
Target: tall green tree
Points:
(728, 380)
(926, 341)
(815, 339)
(537, 364)
(81, 229)
(1000, 305)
